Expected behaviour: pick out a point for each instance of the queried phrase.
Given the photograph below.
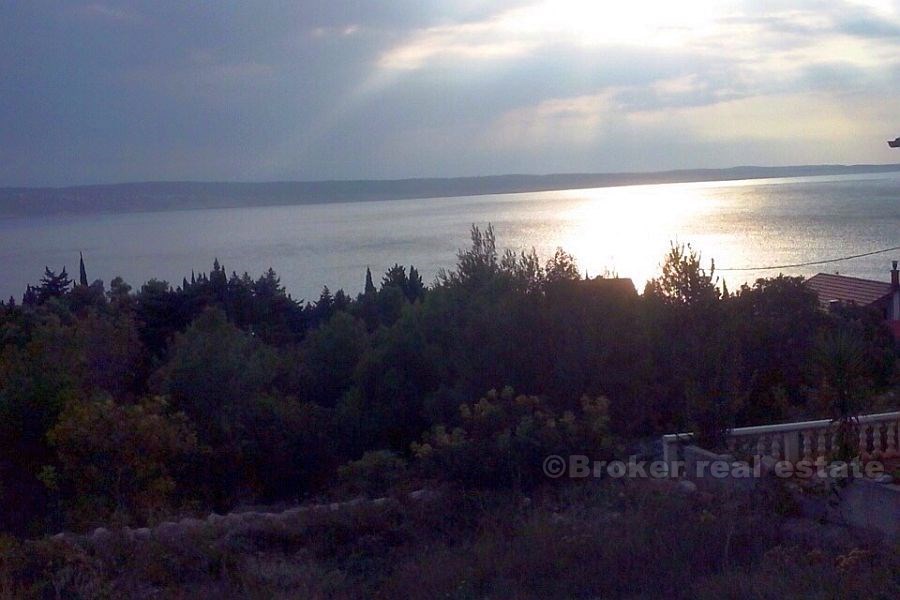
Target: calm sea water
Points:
(626, 230)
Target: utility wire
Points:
(814, 262)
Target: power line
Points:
(814, 262)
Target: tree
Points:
(215, 374)
(370, 287)
(415, 289)
(524, 270)
(282, 446)
(775, 323)
(82, 273)
(109, 354)
(683, 280)
(329, 358)
(119, 293)
(87, 296)
(30, 297)
(477, 265)
(845, 376)
(218, 282)
(561, 267)
(37, 379)
(268, 285)
(341, 301)
(53, 285)
(692, 342)
(213, 368)
(277, 318)
(396, 277)
(159, 314)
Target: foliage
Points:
(328, 358)
(375, 474)
(214, 368)
(502, 439)
(121, 461)
(683, 279)
(280, 392)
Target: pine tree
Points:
(268, 285)
(325, 305)
(325, 298)
(395, 276)
(341, 300)
(53, 285)
(82, 274)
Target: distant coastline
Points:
(187, 195)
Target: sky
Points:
(104, 92)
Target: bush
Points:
(374, 474)
(503, 439)
(119, 459)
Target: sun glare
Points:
(638, 22)
(601, 232)
(517, 31)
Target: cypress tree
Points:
(82, 274)
(370, 286)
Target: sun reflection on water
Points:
(628, 230)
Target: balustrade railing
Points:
(812, 441)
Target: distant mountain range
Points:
(184, 195)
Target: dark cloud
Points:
(114, 91)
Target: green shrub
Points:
(503, 439)
(120, 460)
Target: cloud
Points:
(108, 91)
(524, 29)
(575, 120)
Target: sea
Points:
(748, 229)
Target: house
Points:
(881, 295)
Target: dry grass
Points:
(604, 540)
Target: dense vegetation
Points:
(125, 405)
(121, 406)
(609, 539)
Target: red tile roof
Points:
(847, 289)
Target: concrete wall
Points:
(698, 468)
(872, 505)
(863, 503)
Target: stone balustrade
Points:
(812, 441)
